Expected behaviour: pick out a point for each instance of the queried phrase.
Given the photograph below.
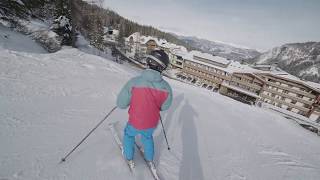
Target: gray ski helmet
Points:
(158, 60)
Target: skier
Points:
(147, 95)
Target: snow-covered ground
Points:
(48, 102)
(18, 42)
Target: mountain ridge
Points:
(228, 51)
(299, 59)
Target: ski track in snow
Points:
(49, 102)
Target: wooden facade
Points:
(150, 46)
(245, 87)
(292, 95)
(204, 75)
(176, 61)
(241, 86)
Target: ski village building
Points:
(259, 84)
(251, 85)
(138, 46)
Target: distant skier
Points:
(147, 95)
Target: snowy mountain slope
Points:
(37, 30)
(18, 42)
(49, 102)
(220, 49)
(299, 59)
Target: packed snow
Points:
(36, 30)
(49, 102)
(18, 42)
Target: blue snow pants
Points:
(146, 139)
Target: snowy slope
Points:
(18, 42)
(49, 102)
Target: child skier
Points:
(147, 95)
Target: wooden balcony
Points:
(246, 83)
(245, 76)
(289, 96)
(285, 82)
(216, 81)
(207, 71)
(305, 110)
(291, 90)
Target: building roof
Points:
(138, 38)
(210, 57)
(232, 66)
(145, 39)
(135, 36)
(179, 52)
(279, 73)
(314, 85)
(294, 79)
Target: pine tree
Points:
(63, 22)
(98, 34)
(34, 4)
(9, 9)
(62, 8)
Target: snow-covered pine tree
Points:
(62, 23)
(11, 9)
(92, 23)
(22, 9)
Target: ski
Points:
(119, 143)
(151, 167)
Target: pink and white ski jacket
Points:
(147, 95)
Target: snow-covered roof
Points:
(231, 66)
(162, 41)
(210, 57)
(287, 76)
(138, 38)
(178, 52)
(313, 84)
(145, 39)
(135, 36)
(190, 58)
(236, 67)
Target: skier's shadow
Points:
(160, 140)
(190, 164)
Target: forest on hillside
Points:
(90, 19)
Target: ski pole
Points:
(64, 159)
(165, 135)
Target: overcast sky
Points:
(259, 24)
